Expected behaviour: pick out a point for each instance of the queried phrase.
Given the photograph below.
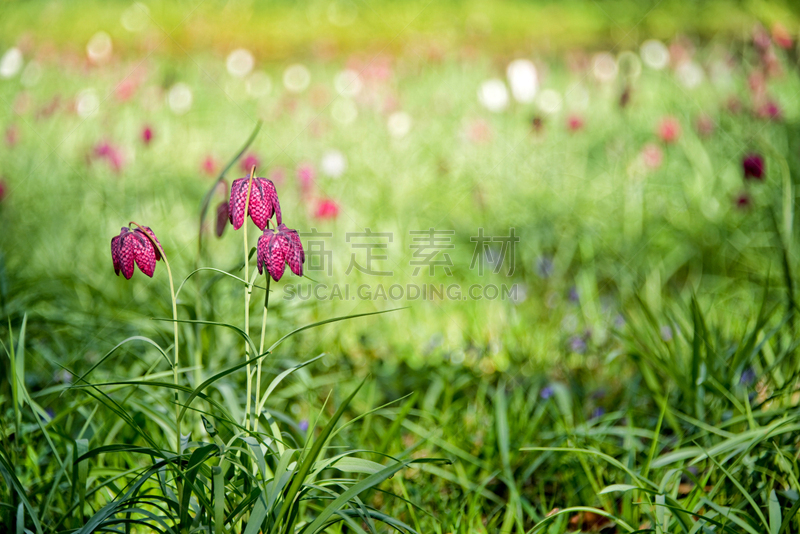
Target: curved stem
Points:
(156, 244)
(247, 291)
(261, 351)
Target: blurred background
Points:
(599, 181)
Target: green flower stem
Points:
(247, 292)
(260, 352)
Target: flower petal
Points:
(279, 247)
(127, 253)
(259, 211)
(144, 253)
(262, 249)
(223, 215)
(237, 202)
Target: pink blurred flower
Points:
(306, 174)
(3, 190)
(574, 123)
(147, 135)
(327, 209)
(753, 167)
(248, 162)
(761, 37)
(12, 136)
(277, 175)
(734, 105)
(209, 165)
(125, 89)
(769, 110)
(669, 129)
(705, 125)
(652, 155)
(479, 131)
(111, 154)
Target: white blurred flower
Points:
(135, 17)
(296, 78)
(258, 84)
(604, 67)
(655, 54)
(31, 74)
(10, 63)
(333, 163)
(348, 83)
(179, 98)
(523, 80)
(519, 293)
(493, 95)
(629, 65)
(240, 62)
(99, 47)
(399, 124)
(87, 103)
(344, 111)
(549, 101)
(689, 74)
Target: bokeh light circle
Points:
(180, 98)
(399, 124)
(523, 80)
(10, 63)
(348, 83)
(550, 101)
(296, 78)
(333, 163)
(240, 63)
(655, 54)
(604, 67)
(99, 47)
(493, 95)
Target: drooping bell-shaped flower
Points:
(753, 167)
(262, 206)
(134, 246)
(276, 249)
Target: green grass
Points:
(648, 380)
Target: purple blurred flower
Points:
(544, 267)
(748, 376)
(598, 412)
(577, 344)
(573, 295)
(303, 425)
(753, 167)
(547, 392)
(666, 333)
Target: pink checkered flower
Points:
(276, 249)
(263, 202)
(135, 246)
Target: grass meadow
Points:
(549, 279)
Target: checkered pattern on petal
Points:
(259, 210)
(296, 256)
(144, 253)
(279, 247)
(262, 249)
(126, 248)
(152, 234)
(270, 199)
(116, 253)
(237, 202)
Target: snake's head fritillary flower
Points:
(276, 249)
(769, 110)
(223, 216)
(743, 200)
(753, 167)
(134, 246)
(147, 135)
(669, 129)
(249, 161)
(262, 206)
(3, 190)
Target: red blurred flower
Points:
(276, 249)
(248, 162)
(753, 167)
(210, 165)
(669, 129)
(147, 135)
(781, 36)
(134, 246)
(3, 190)
(327, 209)
(262, 206)
(574, 123)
